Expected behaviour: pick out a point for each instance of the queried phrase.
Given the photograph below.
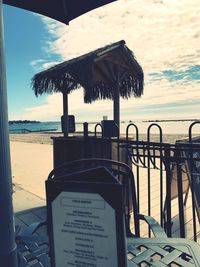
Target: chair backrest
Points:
(120, 170)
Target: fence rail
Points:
(167, 178)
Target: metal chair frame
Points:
(159, 251)
(125, 175)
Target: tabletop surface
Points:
(174, 252)
(162, 252)
(142, 252)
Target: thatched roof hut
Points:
(106, 73)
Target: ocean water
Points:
(53, 126)
(170, 127)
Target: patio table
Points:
(162, 252)
(140, 252)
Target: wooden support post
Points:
(64, 118)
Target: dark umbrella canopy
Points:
(106, 73)
(61, 10)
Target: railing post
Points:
(85, 140)
(130, 125)
(85, 130)
(180, 197)
(149, 171)
(168, 191)
(95, 129)
(118, 146)
(192, 182)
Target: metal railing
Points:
(177, 168)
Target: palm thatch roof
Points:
(98, 72)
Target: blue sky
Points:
(163, 34)
(25, 36)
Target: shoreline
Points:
(172, 120)
(45, 138)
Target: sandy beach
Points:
(32, 159)
(45, 138)
(31, 164)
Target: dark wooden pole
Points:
(8, 249)
(64, 118)
(116, 106)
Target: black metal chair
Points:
(125, 175)
(160, 251)
(33, 250)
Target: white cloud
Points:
(51, 109)
(47, 65)
(41, 64)
(164, 35)
(34, 63)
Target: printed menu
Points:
(84, 230)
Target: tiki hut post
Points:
(116, 106)
(64, 118)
